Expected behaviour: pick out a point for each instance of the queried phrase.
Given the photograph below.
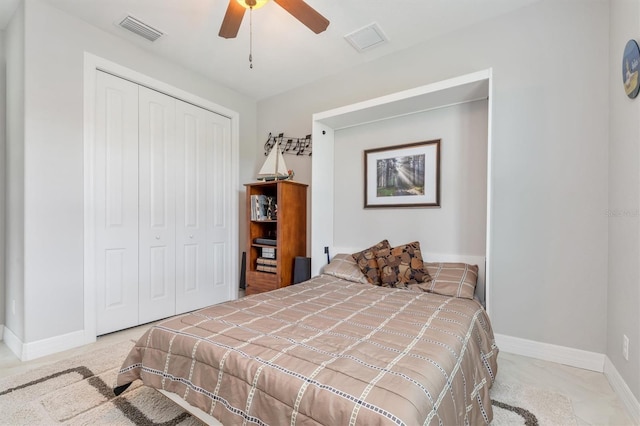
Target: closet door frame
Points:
(92, 64)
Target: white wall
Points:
(3, 168)
(53, 175)
(623, 295)
(14, 196)
(550, 132)
(459, 225)
(275, 122)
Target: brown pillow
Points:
(366, 260)
(401, 266)
(344, 266)
(452, 279)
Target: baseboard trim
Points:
(621, 389)
(575, 358)
(12, 341)
(44, 347)
(545, 351)
(53, 345)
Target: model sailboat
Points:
(274, 167)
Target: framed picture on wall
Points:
(403, 175)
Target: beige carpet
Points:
(515, 404)
(78, 391)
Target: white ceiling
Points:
(285, 53)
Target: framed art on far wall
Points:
(403, 175)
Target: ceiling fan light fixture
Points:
(252, 4)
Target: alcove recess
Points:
(458, 90)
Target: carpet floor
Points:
(77, 391)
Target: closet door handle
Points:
(190, 236)
(157, 237)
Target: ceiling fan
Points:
(298, 8)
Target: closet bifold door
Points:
(202, 220)
(157, 231)
(115, 188)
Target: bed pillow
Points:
(452, 279)
(402, 265)
(366, 261)
(343, 266)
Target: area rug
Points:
(78, 391)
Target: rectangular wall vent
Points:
(140, 28)
(366, 37)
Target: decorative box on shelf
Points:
(268, 252)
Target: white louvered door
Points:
(116, 203)
(162, 205)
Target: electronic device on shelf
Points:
(266, 241)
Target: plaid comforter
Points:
(328, 352)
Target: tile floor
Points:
(594, 402)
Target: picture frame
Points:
(403, 175)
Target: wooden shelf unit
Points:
(289, 230)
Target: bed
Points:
(332, 351)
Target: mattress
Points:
(326, 351)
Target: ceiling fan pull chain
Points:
(250, 37)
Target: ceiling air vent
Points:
(140, 28)
(367, 37)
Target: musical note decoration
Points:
(293, 146)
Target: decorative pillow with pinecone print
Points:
(366, 260)
(401, 265)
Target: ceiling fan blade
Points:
(232, 20)
(305, 14)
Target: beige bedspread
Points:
(328, 352)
